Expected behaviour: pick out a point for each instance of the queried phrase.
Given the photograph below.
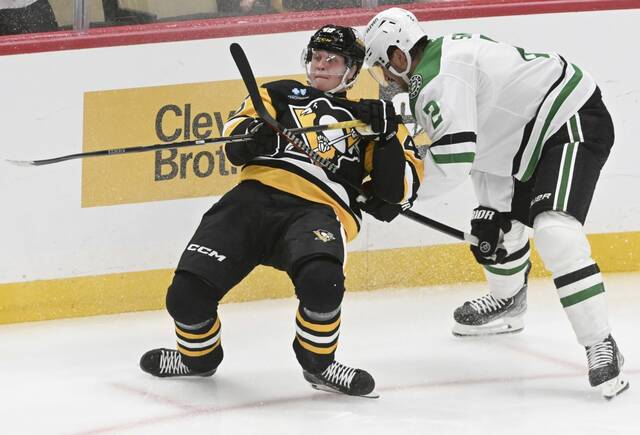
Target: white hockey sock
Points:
(566, 253)
(507, 278)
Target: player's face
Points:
(392, 78)
(326, 70)
(399, 63)
(385, 74)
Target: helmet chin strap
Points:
(343, 86)
(404, 75)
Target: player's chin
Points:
(323, 83)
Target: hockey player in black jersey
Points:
(293, 215)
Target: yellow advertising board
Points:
(163, 114)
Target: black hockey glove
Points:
(489, 226)
(380, 115)
(379, 208)
(264, 141)
(383, 210)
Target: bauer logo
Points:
(124, 118)
(483, 214)
(539, 198)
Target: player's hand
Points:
(489, 226)
(380, 115)
(379, 208)
(383, 210)
(264, 141)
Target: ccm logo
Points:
(483, 214)
(206, 251)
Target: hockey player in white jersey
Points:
(533, 133)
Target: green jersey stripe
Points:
(562, 96)
(454, 158)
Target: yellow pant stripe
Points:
(319, 350)
(212, 331)
(318, 328)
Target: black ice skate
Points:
(605, 368)
(166, 363)
(489, 315)
(338, 378)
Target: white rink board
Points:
(45, 234)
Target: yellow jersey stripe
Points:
(294, 184)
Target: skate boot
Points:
(338, 378)
(167, 363)
(605, 368)
(489, 315)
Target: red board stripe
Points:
(293, 21)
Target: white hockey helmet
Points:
(393, 27)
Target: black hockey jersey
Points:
(295, 105)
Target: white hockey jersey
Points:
(488, 108)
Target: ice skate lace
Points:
(600, 355)
(338, 374)
(170, 362)
(488, 303)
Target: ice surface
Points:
(81, 376)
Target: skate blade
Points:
(320, 387)
(510, 325)
(614, 387)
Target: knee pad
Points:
(319, 284)
(561, 242)
(191, 300)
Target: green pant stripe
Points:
(582, 295)
(506, 272)
(565, 172)
(573, 129)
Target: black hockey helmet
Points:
(344, 41)
(341, 40)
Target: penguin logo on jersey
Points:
(334, 145)
(324, 235)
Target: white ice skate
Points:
(489, 315)
(605, 368)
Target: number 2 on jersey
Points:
(433, 110)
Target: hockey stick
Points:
(189, 143)
(136, 149)
(240, 58)
(439, 226)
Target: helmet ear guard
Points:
(340, 40)
(393, 27)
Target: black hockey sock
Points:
(199, 345)
(316, 338)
